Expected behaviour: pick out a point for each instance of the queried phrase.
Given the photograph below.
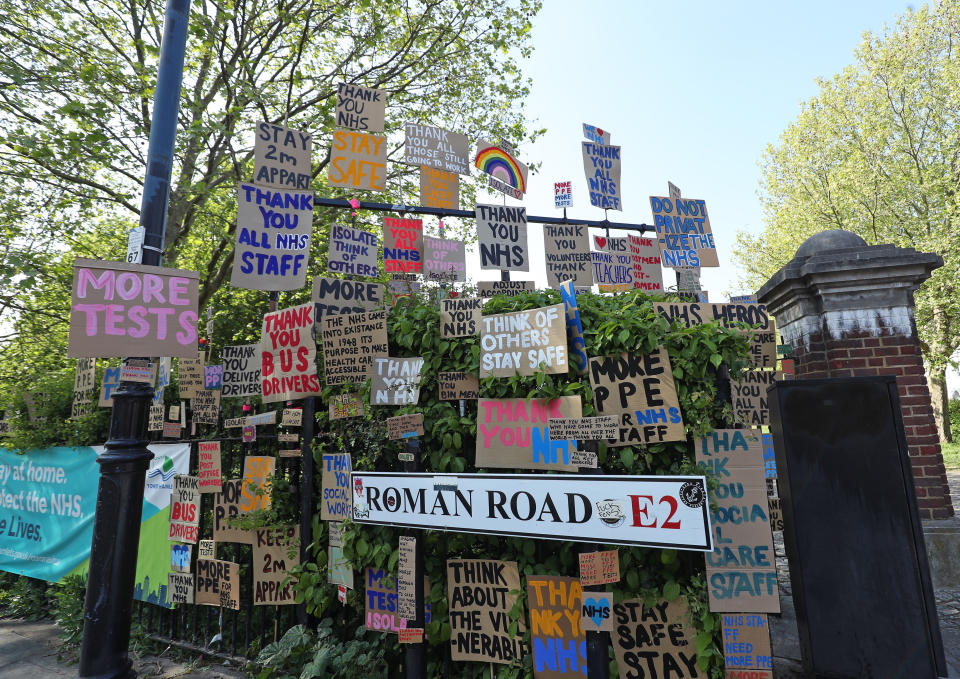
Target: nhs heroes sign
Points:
(643, 511)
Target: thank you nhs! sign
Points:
(644, 511)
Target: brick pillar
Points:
(847, 309)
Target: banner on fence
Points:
(558, 643)
(480, 599)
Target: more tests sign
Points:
(643, 511)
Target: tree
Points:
(877, 152)
(76, 88)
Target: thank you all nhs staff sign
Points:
(644, 511)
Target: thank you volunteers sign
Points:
(645, 511)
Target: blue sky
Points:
(692, 91)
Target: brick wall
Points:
(900, 356)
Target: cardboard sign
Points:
(173, 413)
(350, 343)
(613, 272)
(769, 456)
(556, 635)
(226, 506)
(352, 252)
(640, 391)
(502, 235)
(746, 646)
(84, 382)
(268, 417)
(275, 552)
(380, 609)
(184, 509)
(336, 296)
(599, 568)
(208, 474)
(171, 430)
(180, 558)
(358, 161)
(454, 386)
(213, 377)
(163, 379)
(504, 288)
(292, 417)
(405, 426)
(288, 355)
(460, 317)
(562, 194)
(281, 157)
(241, 370)
(402, 245)
(290, 452)
(584, 428)
(439, 189)
(406, 579)
(335, 484)
(647, 273)
(480, 599)
(218, 583)
(601, 166)
(190, 375)
(180, 588)
(763, 350)
(437, 148)
(361, 108)
(339, 571)
(155, 418)
(566, 251)
(444, 260)
(410, 635)
(749, 397)
(742, 570)
(688, 278)
(683, 232)
(596, 612)
(506, 174)
(137, 370)
(519, 342)
(205, 407)
(249, 433)
(659, 641)
(120, 309)
(512, 433)
(673, 190)
(272, 246)
(595, 134)
(257, 473)
(577, 345)
(345, 405)
(207, 549)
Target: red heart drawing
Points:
(601, 242)
(599, 131)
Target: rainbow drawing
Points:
(500, 165)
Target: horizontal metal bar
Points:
(469, 214)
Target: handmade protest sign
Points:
(190, 375)
(746, 646)
(749, 396)
(255, 491)
(120, 309)
(350, 343)
(519, 342)
(163, 379)
(395, 381)
(292, 417)
(208, 474)
(439, 189)
(410, 635)
(352, 252)
(640, 392)
(460, 317)
(184, 510)
(444, 260)
(595, 134)
(596, 611)
(406, 578)
(171, 430)
(275, 552)
(563, 194)
(226, 506)
(249, 433)
(133, 370)
(180, 588)
(339, 571)
(345, 405)
(281, 157)
(84, 381)
(241, 370)
(513, 433)
(358, 160)
(405, 426)
(599, 568)
(213, 377)
(268, 417)
(380, 608)
(207, 549)
(584, 428)
(763, 349)
(647, 273)
(613, 272)
(504, 288)
(361, 108)
(601, 166)
(577, 345)
(659, 641)
(335, 484)
(402, 245)
(480, 599)
(741, 571)
(337, 296)
(566, 251)
(507, 174)
(454, 386)
(558, 644)
(218, 583)
(288, 355)
(502, 234)
(180, 558)
(155, 418)
(688, 278)
(109, 384)
(437, 148)
(205, 407)
(683, 232)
